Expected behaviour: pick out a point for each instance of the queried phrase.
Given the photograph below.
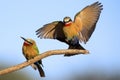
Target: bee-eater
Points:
(30, 51)
(71, 32)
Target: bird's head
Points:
(67, 21)
(28, 42)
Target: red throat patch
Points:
(26, 44)
(68, 24)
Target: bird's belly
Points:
(70, 32)
(30, 54)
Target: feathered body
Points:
(73, 32)
(70, 31)
(30, 51)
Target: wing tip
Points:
(98, 4)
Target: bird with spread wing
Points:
(73, 32)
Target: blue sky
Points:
(24, 17)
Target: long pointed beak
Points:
(26, 40)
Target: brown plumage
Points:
(71, 32)
(30, 51)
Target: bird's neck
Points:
(68, 24)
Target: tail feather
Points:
(76, 46)
(41, 72)
(40, 62)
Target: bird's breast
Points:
(29, 52)
(70, 31)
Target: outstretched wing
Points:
(52, 30)
(86, 20)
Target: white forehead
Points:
(66, 19)
(30, 40)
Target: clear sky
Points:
(24, 17)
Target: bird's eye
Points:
(31, 43)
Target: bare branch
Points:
(41, 56)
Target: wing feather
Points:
(86, 20)
(52, 30)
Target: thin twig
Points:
(41, 56)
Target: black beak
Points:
(26, 40)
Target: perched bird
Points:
(30, 51)
(71, 32)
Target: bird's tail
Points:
(76, 46)
(41, 72)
